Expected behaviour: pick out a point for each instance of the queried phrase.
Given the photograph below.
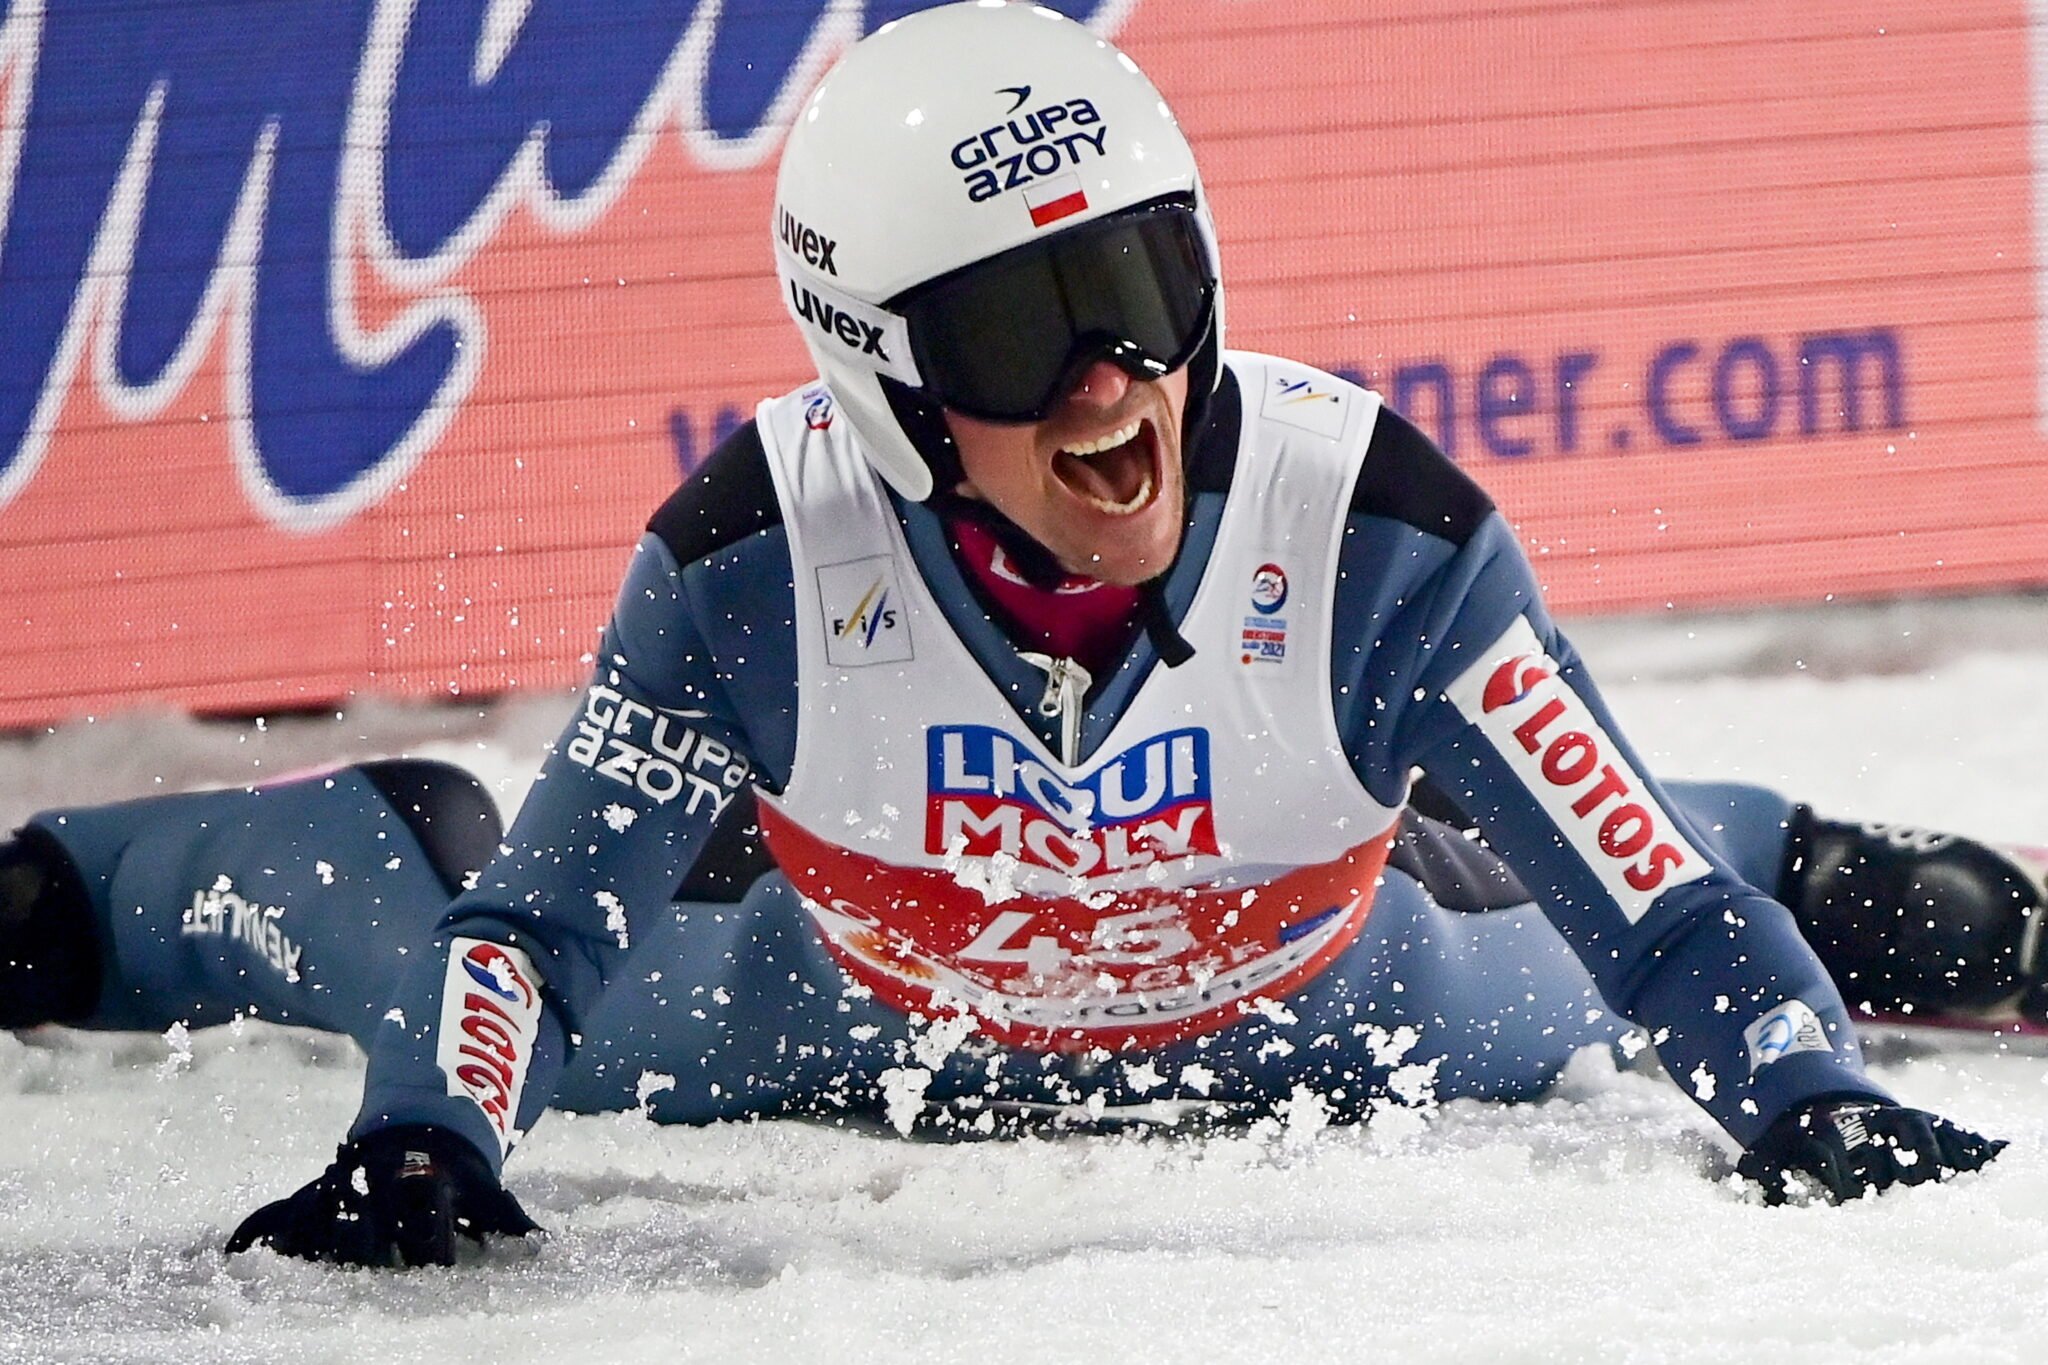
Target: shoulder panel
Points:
(1407, 479)
(729, 498)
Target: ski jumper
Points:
(1173, 883)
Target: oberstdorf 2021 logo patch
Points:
(1263, 639)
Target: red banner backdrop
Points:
(1726, 301)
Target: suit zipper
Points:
(1066, 683)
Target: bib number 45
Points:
(1136, 938)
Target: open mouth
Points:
(1114, 474)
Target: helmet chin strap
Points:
(924, 422)
(1167, 641)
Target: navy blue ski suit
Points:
(679, 971)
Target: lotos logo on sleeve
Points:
(864, 617)
(490, 1017)
(1575, 770)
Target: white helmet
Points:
(952, 137)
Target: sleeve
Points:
(482, 1026)
(1495, 705)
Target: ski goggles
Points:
(1005, 339)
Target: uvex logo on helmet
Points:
(1512, 681)
(808, 245)
(856, 333)
(1020, 150)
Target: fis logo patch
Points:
(1791, 1027)
(865, 620)
(1559, 750)
(986, 794)
(490, 1017)
(1317, 406)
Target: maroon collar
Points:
(1075, 617)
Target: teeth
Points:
(1109, 442)
(1123, 509)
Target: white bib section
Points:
(1214, 847)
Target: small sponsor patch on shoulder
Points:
(1789, 1028)
(1575, 770)
(818, 409)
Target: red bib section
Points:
(1118, 970)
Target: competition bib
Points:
(1213, 849)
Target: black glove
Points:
(1849, 1146)
(398, 1197)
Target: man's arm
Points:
(1511, 726)
(1485, 694)
(651, 760)
(694, 684)
(693, 679)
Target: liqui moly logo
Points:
(1574, 769)
(490, 1017)
(988, 794)
(177, 201)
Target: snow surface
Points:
(1598, 1225)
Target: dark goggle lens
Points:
(1002, 340)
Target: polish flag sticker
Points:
(1053, 198)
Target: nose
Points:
(1101, 386)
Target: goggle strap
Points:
(860, 334)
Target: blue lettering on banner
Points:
(682, 430)
(1691, 394)
(167, 170)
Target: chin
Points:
(1137, 556)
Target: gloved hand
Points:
(1846, 1147)
(398, 1197)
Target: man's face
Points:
(1098, 482)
